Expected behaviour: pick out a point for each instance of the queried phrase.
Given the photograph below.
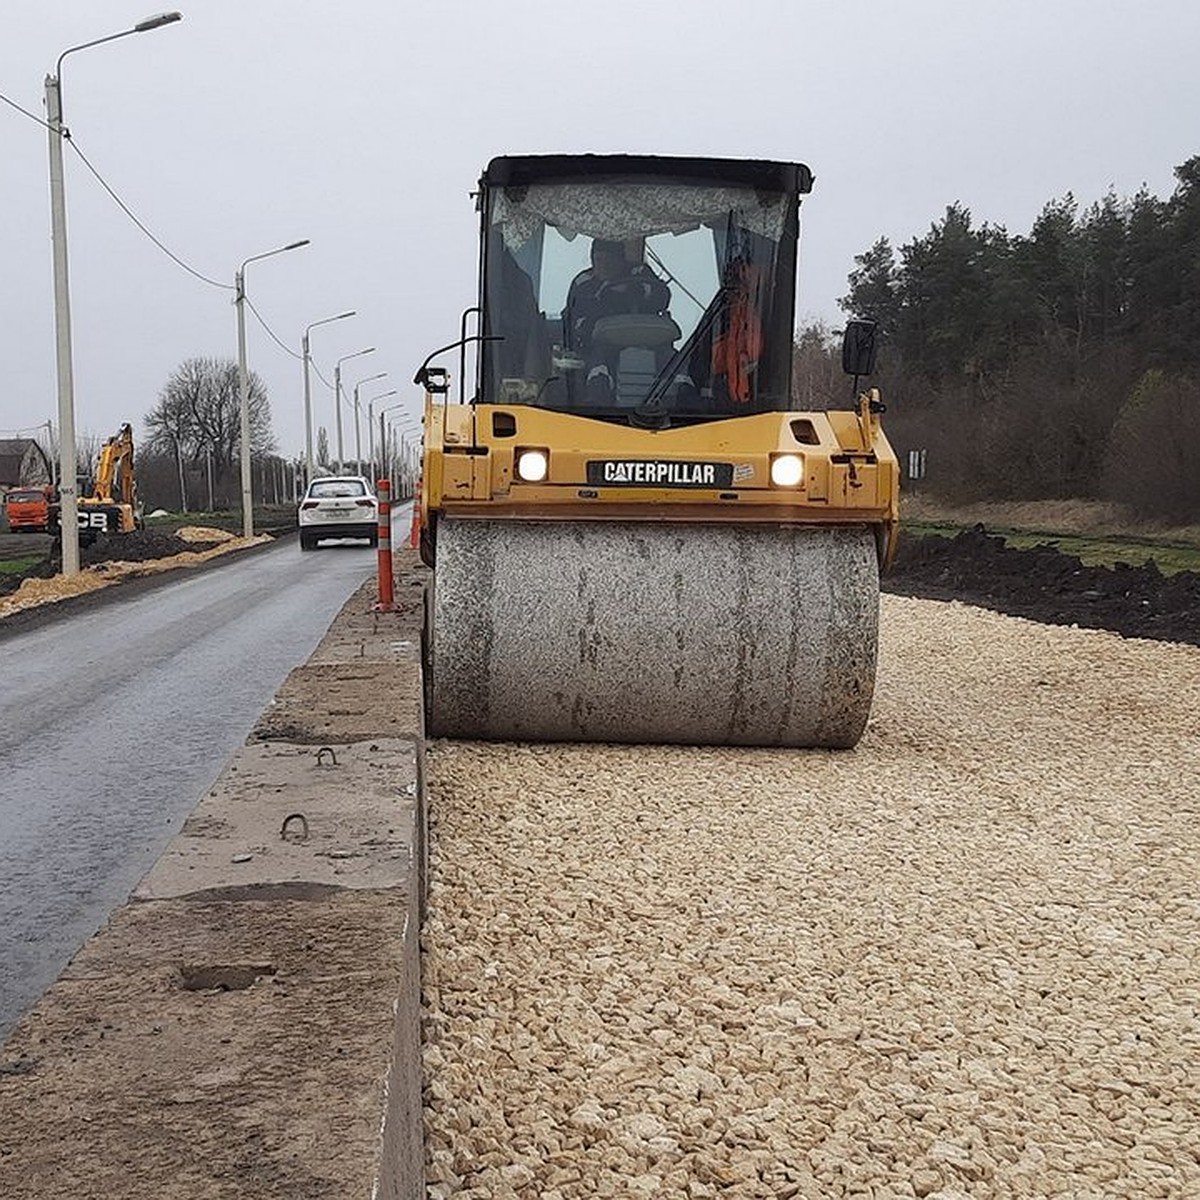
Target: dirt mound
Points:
(111, 560)
(11, 581)
(142, 545)
(204, 533)
(1044, 584)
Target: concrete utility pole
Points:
(357, 422)
(337, 401)
(371, 429)
(68, 495)
(244, 449)
(307, 356)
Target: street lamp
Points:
(371, 427)
(337, 399)
(357, 427)
(405, 426)
(239, 288)
(308, 428)
(385, 459)
(68, 512)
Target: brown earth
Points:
(1044, 584)
(116, 559)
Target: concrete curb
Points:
(248, 1023)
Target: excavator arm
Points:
(116, 459)
(102, 511)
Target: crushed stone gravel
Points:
(960, 961)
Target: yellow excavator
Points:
(112, 506)
(634, 535)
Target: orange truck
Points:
(28, 509)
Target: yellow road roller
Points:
(635, 535)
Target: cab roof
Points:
(521, 170)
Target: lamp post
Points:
(384, 460)
(337, 399)
(308, 428)
(404, 426)
(371, 428)
(239, 288)
(357, 425)
(68, 512)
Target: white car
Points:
(338, 506)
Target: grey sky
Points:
(363, 126)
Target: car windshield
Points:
(25, 497)
(328, 489)
(610, 295)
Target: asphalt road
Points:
(114, 720)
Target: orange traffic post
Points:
(414, 536)
(385, 547)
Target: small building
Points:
(22, 461)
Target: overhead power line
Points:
(141, 226)
(26, 113)
(66, 136)
(282, 345)
(130, 214)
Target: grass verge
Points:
(18, 566)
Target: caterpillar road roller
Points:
(635, 535)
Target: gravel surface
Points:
(960, 961)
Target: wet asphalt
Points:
(113, 721)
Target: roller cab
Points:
(634, 536)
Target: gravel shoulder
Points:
(959, 961)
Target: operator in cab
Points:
(616, 284)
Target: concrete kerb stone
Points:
(249, 1022)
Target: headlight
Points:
(532, 465)
(787, 470)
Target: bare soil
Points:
(1044, 584)
(143, 545)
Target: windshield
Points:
(26, 497)
(329, 489)
(628, 294)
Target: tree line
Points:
(188, 459)
(1060, 363)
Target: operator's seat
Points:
(643, 343)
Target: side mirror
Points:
(858, 346)
(435, 380)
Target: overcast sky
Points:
(363, 125)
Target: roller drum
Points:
(647, 632)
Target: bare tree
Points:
(817, 379)
(87, 456)
(198, 417)
(172, 429)
(322, 455)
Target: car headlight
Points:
(532, 465)
(787, 470)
